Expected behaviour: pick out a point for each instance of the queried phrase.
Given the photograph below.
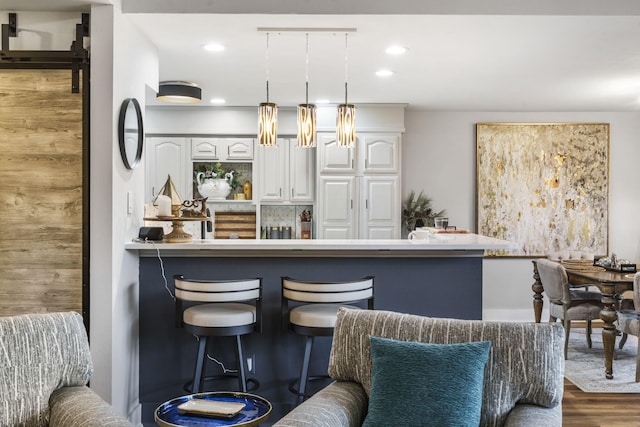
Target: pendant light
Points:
(267, 115)
(306, 111)
(346, 120)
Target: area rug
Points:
(585, 366)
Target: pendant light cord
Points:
(306, 66)
(267, 62)
(346, 62)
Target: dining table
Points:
(611, 284)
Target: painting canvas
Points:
(543, 186)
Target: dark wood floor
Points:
(580, 409)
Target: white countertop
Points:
(444, 244)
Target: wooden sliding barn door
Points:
(43, 198)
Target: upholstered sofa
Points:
(523, 375)
(45, 365)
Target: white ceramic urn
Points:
(214, 188)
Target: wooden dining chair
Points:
(629, 321)
(563, 304)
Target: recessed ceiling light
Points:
(396, 50)
(213, 47)
(384, 73)
(217, 101)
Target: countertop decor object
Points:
(247, 190)
(417, 209)
(240, 223)
(130, 133)
(196, 208)
(169, 190)
(215, 180)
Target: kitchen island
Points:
(439, 277)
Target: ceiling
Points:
(455, 62)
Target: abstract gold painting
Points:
(544, 186)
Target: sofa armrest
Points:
(79, 406)
(522, 414)
(341, 403)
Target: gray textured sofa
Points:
(45, 365)
(523, 376)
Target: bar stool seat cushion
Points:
(220, 315)
(317, 315)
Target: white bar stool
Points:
(218, 308)
(311, 309)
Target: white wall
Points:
(124, 63)
(439, 158)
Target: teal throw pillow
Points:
(423, 384)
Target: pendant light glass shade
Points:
(306, 125)
(346, 125)
(267, 115)
(306, 112)
(267, 124)
(346, 119)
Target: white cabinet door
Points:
(380, 208)
(380, 154)
(205, 149)
(239, 148)
(164, 157)
(334, 159)
(336, 207)
(287, 173)
(222, 149)
(302, 173)
(272, 163)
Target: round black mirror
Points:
(130, 133)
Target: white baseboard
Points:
(515, 315)
(135, 415)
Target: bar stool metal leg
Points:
(200, 361)
(304, 371)
(242, 377)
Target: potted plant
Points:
(417, 210)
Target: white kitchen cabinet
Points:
(379, 154)
(222, 149)
(333, 159)
(372, 169)
(166, 156)
(380, 207)
(336, 207)
(287, 173)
